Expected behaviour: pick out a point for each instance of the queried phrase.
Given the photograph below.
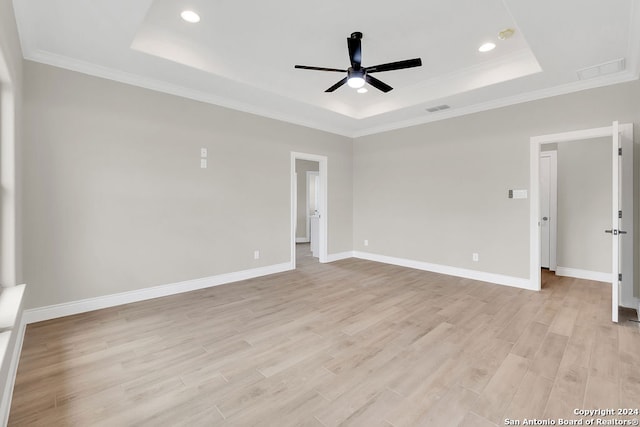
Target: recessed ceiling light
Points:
(363, 90)
(190, 16)
(487, 47)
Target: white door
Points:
(548, 209)
(313, 209)
(615, 245)
(315, 223)
(621, 216)
(627, 298)
(313, 205)
(544, 211)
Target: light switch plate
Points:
(517, 194)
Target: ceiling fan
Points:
(357, 75)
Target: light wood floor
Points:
(348, 343)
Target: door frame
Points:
(534, 207)
(323, 208)
(553, 207)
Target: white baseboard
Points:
(339, 256)
(634, 305)
(302, 240)
(498, 279)
(75, 307)
(583, 274)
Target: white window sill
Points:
(10, 304)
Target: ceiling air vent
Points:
(438, 108)
(601, 69)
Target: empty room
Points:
(285, 214)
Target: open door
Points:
(627, 297)
(622, 218)
(615, 241)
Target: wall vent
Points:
(601, 69)
(438, 108)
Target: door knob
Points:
(544, 218)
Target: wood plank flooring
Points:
(348, 343)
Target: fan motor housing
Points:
(355, 73)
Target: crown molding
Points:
(132, 79)
(164, 87)
(568, 88)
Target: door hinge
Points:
(620, 277)
(620, 151)
(619, 214)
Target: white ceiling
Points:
(241, 55)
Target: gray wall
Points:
(302, 167)
(584, 205)
(115, 199)
(438, 192)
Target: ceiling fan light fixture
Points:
(355, 82)
(487, 47)
(190, 16)
(357, 75)
(362, 90)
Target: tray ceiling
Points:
(241, 55)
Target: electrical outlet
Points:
(256, 254)
(475, 257)
(203, 163)
(203, 152)
(366, 243)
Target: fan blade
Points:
(337, 85)
(355, 52)
(377, 83)
(306, 67)
(407, 63)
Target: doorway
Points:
(308, 207)
(621, 231)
